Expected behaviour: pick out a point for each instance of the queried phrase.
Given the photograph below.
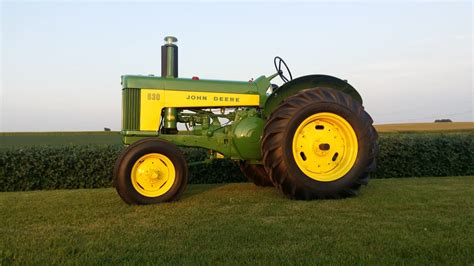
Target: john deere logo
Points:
(226, 99)
(196, 97)
(215, 98)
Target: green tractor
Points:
(310, 137)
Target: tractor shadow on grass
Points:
(199, 189)
(231, 191)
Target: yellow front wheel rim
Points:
(325, 147)
(153, 175)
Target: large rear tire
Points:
(256, 173)
(318, 144)
(150, 171)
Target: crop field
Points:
(425, 127)
(428, 221)
(19, 139)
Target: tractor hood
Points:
(152, 82)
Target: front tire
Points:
(319, 143)
(150, 171)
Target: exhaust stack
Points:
(169, 69)
(169, 58)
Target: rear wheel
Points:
(256, 173)
(150, 171)
(319, 143)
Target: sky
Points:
(61, 62)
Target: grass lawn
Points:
(393, 221)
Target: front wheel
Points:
(150, 171)
(319, 143)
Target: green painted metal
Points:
(170, 61)
(170, 114)
(259, 86)
(239, 140)
(130, 109)
(307, 82)
(140, 134)
(219, 142)
(262, 83)
(170, 118)
(247, 134)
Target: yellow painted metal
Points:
(153, 175)
(325, 147)
(152, 101)
(151, 104)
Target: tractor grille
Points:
(130, 109)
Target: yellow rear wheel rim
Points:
(325, 147)
(153, 175)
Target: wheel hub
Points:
(153, 175)
(325, 147)
(150, 175)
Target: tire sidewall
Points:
(134, 153)
(359, 126)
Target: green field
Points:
(425, 127)
(397, 221)
(19, 139)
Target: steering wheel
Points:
(277, 62)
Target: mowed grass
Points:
(425, 127)
(393, 221)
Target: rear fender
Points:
(307, 82)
